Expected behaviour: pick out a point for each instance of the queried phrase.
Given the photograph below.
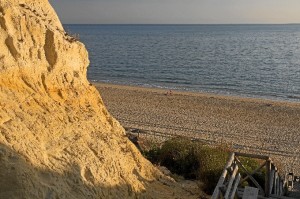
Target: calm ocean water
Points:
(245, 60)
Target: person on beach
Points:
(170, 92)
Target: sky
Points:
(177, 11)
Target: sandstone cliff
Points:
(57, 139)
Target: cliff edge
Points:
(57, 139)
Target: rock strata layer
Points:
(57, 139)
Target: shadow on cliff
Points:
(20, 179)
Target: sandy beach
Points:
(249, 125)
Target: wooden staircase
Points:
(280, 186)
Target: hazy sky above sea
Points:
(177, 11)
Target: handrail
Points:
(230, 179)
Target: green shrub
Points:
(153, 154)
(179, 156)
(212, 162)
(195, 160)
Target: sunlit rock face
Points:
(57, 139)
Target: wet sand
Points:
(249, 125)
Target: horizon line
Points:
(181, 23)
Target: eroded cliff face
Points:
(57, 139)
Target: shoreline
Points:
(249, 125)
(199, 93)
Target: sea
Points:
(256, 61)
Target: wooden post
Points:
(272, 177)
(280, 188)
(268, 178)
(290, 181)
(276, 183)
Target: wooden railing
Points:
(231, 179)
(229, 184)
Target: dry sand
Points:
(250, 125)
